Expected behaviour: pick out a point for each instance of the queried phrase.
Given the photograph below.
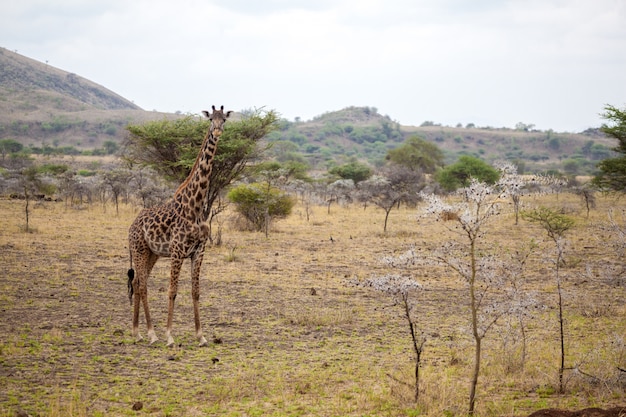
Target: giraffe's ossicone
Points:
(175, 229)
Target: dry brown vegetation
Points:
(290, 336)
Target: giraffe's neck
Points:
(191, 195)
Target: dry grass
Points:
(291, 337)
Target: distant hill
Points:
(45, 106)
(364, 134)
(21, 77)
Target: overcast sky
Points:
(551, 63)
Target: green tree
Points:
(555, 224)
(287, 170)
(259, 203)
(417, 155)
(170, 147)
(355, 171)
(572, 166)
(612, 175)
(9, 146)
(110, 147)
(461, 173)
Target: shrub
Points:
(259, 203)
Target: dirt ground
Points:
(289, 335)
(587, 412)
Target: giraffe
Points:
(175, 229)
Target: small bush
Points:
(259, 203)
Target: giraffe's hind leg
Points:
(140, 287)
(136, 302)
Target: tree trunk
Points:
(562, 334)
(475, 330)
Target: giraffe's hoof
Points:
(152, 336)
(203, 342)
(170, 342)
(136, 334)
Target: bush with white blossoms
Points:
(401, 288)
(486, 269)
(391, 283)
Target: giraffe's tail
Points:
(131, 276)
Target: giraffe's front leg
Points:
(196, 263)
(152, 337)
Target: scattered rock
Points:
(137, 406)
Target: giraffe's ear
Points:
(228, 113)
(206, 113)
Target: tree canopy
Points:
(461, 172)
(612, 175)
(170, 147)
(258, 203)
(9, 146)
(355, 171)
(417, 155)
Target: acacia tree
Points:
(555, 224)
(417, 154)
(354, 170)
(461, 173)
(170, 148)
(396, 184)
(9, 146)
(612, 176)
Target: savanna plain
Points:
(290, 333)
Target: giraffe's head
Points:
(217, 118)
